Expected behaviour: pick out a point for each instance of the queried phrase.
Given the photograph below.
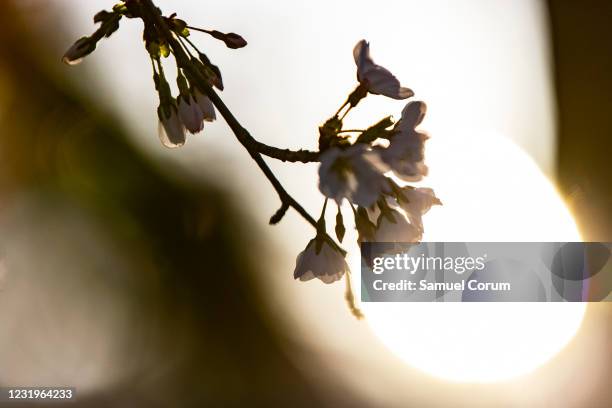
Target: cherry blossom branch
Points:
(255, 148)
(351, 169)
(286, 155)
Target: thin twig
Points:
(352, 131)
(286, 155)
(199, 29)
(349, 296)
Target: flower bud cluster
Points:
(191, 108)
(185, 113)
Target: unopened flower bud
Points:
(206, 106)
(81, 48)
(190, 114)
(231, 40)
(235, 41)
(171, 130)
(210, 71)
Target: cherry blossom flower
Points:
(406, 152)
(206, 106)
(398, 230)
(379, 80)
(171, 130)
(320, 260)
(354, 173)
(420, 200)
(190, 114)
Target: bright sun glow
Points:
(492, 191)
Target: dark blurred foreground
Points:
(581, 33)
(193, 331)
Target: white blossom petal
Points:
(361, 54)
(399, 231)
(328, 265)
(420, 200)
(370, 185)
(336, 179)
(206, 106)
(374, 211)
(354, 173)
(171, 130)
(382, 82)
(412, 116)
(405, 156)
(190, 114)
(378, 79)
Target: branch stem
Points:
(352, 131)
(253, 147)
(286, 155)
(199, 29)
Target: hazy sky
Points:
(481, 66)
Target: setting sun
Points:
(475, 342)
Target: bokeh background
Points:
(148, 277)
